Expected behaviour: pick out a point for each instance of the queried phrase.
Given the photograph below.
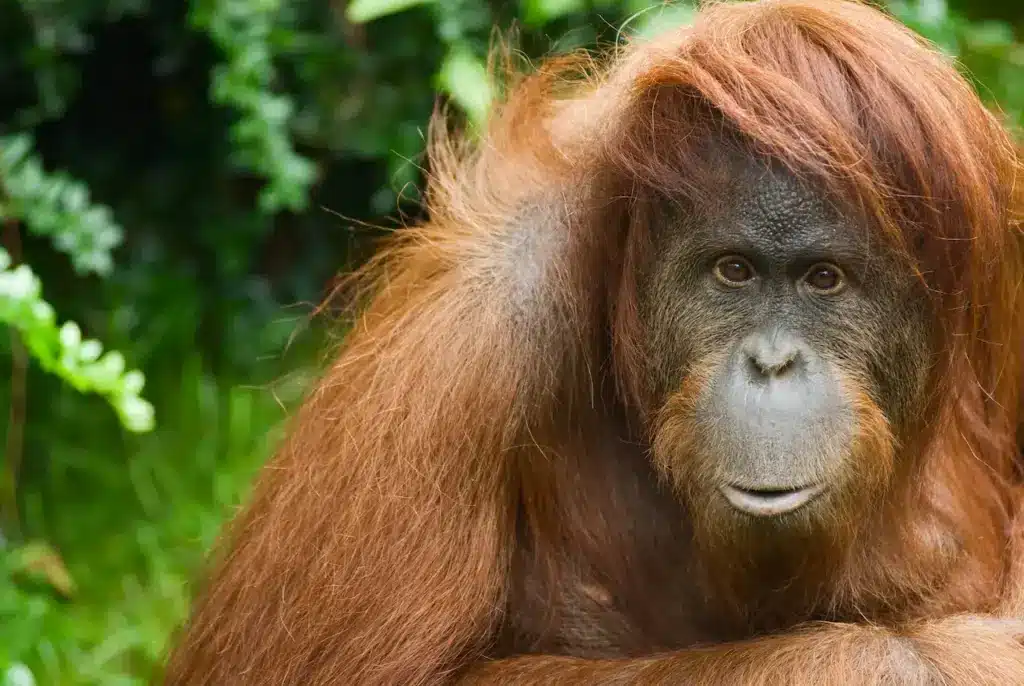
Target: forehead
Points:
(765, 207)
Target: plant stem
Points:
(16, 416)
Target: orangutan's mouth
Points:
(770, 502)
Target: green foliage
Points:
(244, 146)
(360, 11)
(62, 351)
(58, 207)
(126, 566)
(648, 20)
(18, 675)
(987, 50)
(464, 77)
(243, 30)
(542, 11)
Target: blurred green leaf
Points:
(61, 351)
(658, 19)
(261, 135)
(362, 11)
(989, 34)
(543, 11)
(18, 675)
(39, 561)
(56, 206)
(932, 12)
(465, 78)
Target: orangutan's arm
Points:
(975, 650)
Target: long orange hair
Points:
(378, 542)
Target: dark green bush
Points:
(182, 181)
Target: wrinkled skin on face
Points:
(779, 325)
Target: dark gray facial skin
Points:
(788, 307)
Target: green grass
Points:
(132, 517)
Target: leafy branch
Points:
(242, 30)
(57, 206)
(61, 350)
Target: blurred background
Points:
(180, 184)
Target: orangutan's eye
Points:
(825, 278)
(733, 270)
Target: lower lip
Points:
(770, 503)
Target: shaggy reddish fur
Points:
(378, 544)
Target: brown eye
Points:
(826, 278)
(733, 270)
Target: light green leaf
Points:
(932, 12)
(14, 150)
(362, 11)
(245, 82)
(90, 351)
(61, 350)
(70, 335)
(990, 34)
(464, 77)
(18, 675)
(539, 12)
(57, 206)
(136, 413)
(659, 19)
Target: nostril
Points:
(754, 367)
(783, 366)
(772, 365)
(772, 354)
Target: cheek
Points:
(683, 319)
(900, 368)
(889, 350)
(683, 332)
